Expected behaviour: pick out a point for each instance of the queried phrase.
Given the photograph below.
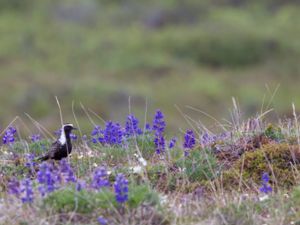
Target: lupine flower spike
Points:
(14, 187)
(121, 188)
(47, 179)
(132, 126)
(111, 135)
(26, 191)
(172, 142)
(189, 141)
(67, 171)
(9, 136)
(35, 137)
(30, 163)
(265, 188)
(159, 126)
(159, 123)
(100, 178)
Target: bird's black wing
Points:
(55, 147)
(52, 151)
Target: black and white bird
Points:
(62, 147)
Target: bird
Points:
(62, 147)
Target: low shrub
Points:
(280, 159)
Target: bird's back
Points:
(58, 151)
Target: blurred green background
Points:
(185, 52)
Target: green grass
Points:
(171, 188)
(110, 54)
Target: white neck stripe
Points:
(62, 138)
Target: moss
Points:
(274, 133)
(271, 158)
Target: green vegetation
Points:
(206, 185)
(105, 59)
(70, 200)
(281, 160)
(199, 165)
(99, 53)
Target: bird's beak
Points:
(74, 128)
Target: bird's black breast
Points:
(59, 151)
(63, 151)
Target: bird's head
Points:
(68, 127)
(66, 131)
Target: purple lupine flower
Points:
(35, 137)
(47, 178)
(159, 142)
(121, 188)
(113, 134)
(159, 126)
(265, 177)
(148, 127)
(13, 187)
(189, 141)
(67, 171)
(80, 185)
(102, 220)
(207, 139)
(224, 136)
(73, 136)
(159, 123)
(97, 133)
(100, 178)
(132, 126)
(26, 191)
(172, 142)
(30, 163)
(265, 188)
(9, 136)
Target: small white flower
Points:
(90, 154)
(136, 169)
(263, 198)
(182, 169)
(142, 161)
(95, 165)
(108, 172)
